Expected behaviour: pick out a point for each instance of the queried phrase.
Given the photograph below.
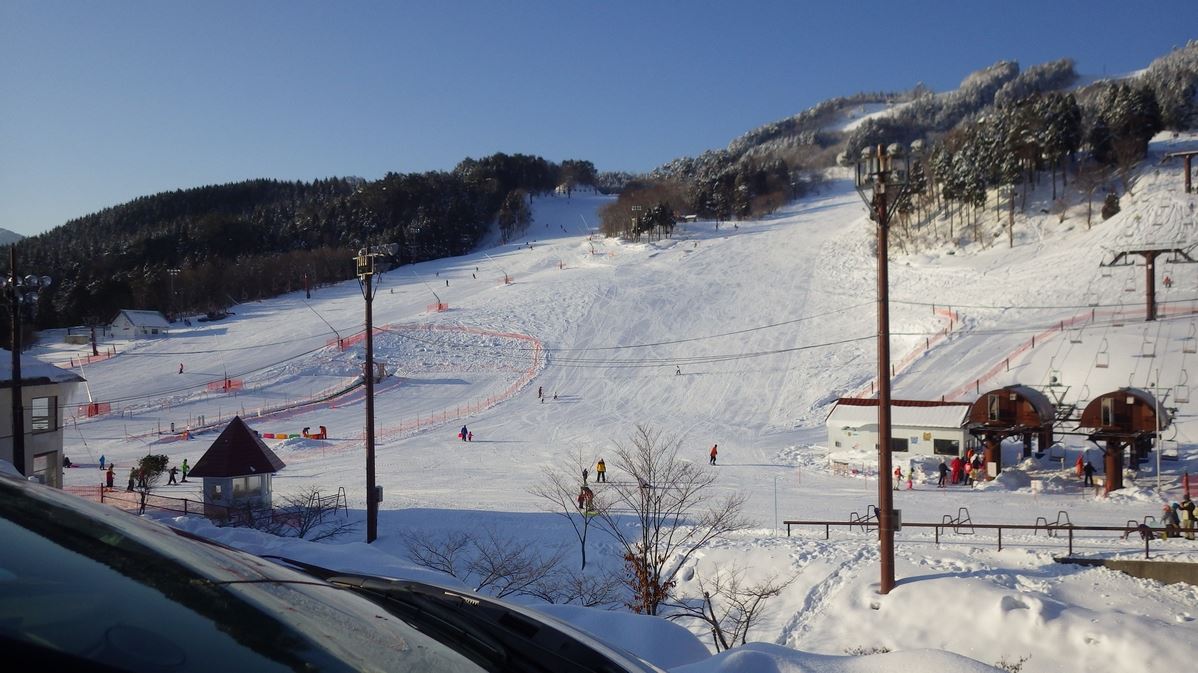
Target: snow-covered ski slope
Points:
(768, 322)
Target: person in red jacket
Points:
(956, 470)
(713, 453)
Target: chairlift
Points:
(1083, 396)
(1075, 336)
(1102, 359)
(1181, 391)
(1190, 343)
(1054, 377)
(1130, 285)
(1148, 346)
(1131, 380)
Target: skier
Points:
(714, 452)
(180, 367)
(943, 474)
(174, 471)
(584, 476)
(677, 370)
(540, 392)
(101, 461)
(462, 434)
(1088, 470)
(600, 472)
(185, 468)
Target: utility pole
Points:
(18, 291)
(366, 280)
(881, 179)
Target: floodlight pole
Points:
(874, 174)
(366, 280)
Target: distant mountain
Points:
(7, 237)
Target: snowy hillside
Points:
(741, 335)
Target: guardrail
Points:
(956, 523)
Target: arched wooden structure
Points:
(1123, 419)
(1012, 411)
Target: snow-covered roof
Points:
(857, 412)
(143, 318)
(1037, 399)
(34, 371)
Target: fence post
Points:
(1000, 538)
(1071, 540)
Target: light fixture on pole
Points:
(366, 280)
(19, 292)
(882, 179)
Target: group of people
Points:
(960, 471)
(465, 435)
(1179, 517)
(138, 479)
(586, 497)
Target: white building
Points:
(131, 324)
(44, 390)
(917, 427)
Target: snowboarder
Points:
(943, 474)
(714, 452)
(185, 468)
(110, 477)
(1088, 470)
(600, 472)
(180, 367)
(174, 471)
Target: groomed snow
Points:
(768, 322)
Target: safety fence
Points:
(77, 361)
(953, 321)
(336, 395)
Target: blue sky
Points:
(106, 101)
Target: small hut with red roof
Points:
(236, 471)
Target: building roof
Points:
(143, 318)
(237, 452)
(34, 372)
(1037, 399)
(856, 412)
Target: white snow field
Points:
(768, 322)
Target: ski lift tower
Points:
(1180, 255)
(1187, 157)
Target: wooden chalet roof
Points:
(237, 452)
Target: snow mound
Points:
(767, 658)
(658, 641)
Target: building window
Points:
(992, 406)
(898, 444)
(244, 487)
(946, 447)
(43, 412)
(217, 492)
(838, 444)
(1108, 411)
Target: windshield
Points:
(95, 583)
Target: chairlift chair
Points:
(1190, 343)
(1148, 346)
(1102, 359)
(1181, 391)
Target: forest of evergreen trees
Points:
(259, 238)
(999, 131)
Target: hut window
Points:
(247, 486)
(217, 492)
(898, 444)
(992, 408)
(1108, 411)
(946, 447)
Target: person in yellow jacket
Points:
(600, 472)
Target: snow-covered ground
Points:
(768, 322)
